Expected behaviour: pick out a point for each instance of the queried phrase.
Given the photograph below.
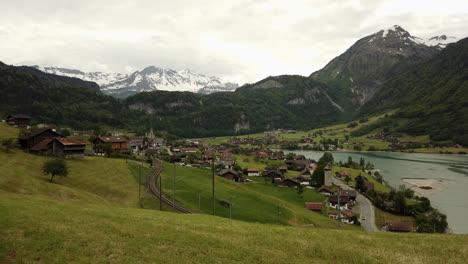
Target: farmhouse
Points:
(326, 190)
(27, 141)
(253, 172)
(288, 183)
(18, 120)
(67, 147)
(333, 202)
(117, 143)
(351, 194)
(346, 216)
(135, 144)
(316, 207)
(230, 175)
(272, 174)
(399, 227)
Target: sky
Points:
(242, 41)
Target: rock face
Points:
(149, 79)
(361, 69)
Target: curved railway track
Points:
(153, 188)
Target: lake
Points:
(452, 169)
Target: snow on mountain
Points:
(438, 41)
(149, 79)
(100, 78)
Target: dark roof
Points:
(70, 141)
(325, 188)
(334, 199)
(400, 227)
(37, 132)
(42, 145)
(349, 193)
(333, 212)
(266, 173)
(19, 116)
(221, 173)
(343, 173)
(314, 206)
(112, 139)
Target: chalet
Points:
(316, 207)
(41, 148)
(272, 174)
(342, 174)
(118, 143)
(67, 147)
(326, 190)
(399, 227)
(351, 194)
(289, 183)
(369, 185)
(346, 216)
(18, 120)
(135, 144)
(27, 141)
(333, 202)
(230, 175)
(283, 169)
(253, 172)
(299, 164)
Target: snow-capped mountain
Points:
(149, 79)
(101, 78)
(361, 69)
(396, 31)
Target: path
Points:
(367, 209)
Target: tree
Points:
(55, 167)
(107, 148)
(290, 156)
(362, 163)
(64, 132)
(7, 143)
(350, 161)
(347, 179)
(359, 183)
(318, 177)
(378, 177)
(300, 190)
(325, 159)
(400, 202)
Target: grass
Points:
(253, 202)
(38, 230)
(382, 217)
(354, 173)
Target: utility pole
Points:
(139, 182)
(339, 208)
(277, 214)
(173, 188)
(230, 209)
(160, 191)
(212, 172)
(199, 201)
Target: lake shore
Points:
(425, 187)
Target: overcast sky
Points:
(243, 41)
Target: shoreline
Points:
(436, 186)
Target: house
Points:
(326, 190)
(176, 158)
(27, 141)
(253, 172)
(289, 183)
(332, 214)
(230, 175)
(369, 185)
(342, 174)
(351, 194)
(283, 169)
(41, 148)
(346, 216)
(18, 120)
(272, 174)
(399, 227)
(316, 207)
(118, 143)
(187, 151)
(307, 172)
(67, 147)
(333, 202)
(135, 144)
(205, 164)
(303, 178)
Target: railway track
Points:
(153, 188)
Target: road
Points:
(367, 209)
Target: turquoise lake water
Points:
(452, 169)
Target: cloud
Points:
(239, 40)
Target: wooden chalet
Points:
(289, 183)
(67, 147)
(351, 194)
(326, 190)
(18, 120)
(230, 175)
(27, 141)
(316, 207)
(399, 227)
(272, 174)
(253, 172)
(117, 143)
(333, 202)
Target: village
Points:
(234, 163)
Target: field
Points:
(354, 173)
(39, 230)
(253, 202)
(382, 217)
